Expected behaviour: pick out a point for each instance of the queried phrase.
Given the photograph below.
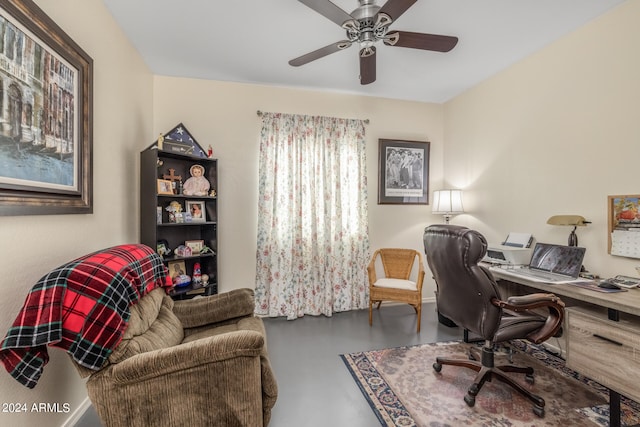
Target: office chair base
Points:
(487, 373)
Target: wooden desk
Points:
(602, 334)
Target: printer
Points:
(515, 250)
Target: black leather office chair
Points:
(468, 294)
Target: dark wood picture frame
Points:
(50, 117)
(403, 172)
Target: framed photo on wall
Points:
(403, 172)
(46, 124)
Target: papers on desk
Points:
(518, 240)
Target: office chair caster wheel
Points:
(538, 410)
(529, 378)
(470, 400)
(437, 367)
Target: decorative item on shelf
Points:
(160, 142)
(165, 187)
(197, 210)
(187, 216)
(447, 203)
(210, 152)
(162, 248)
(205, 279)
(177, 272)
(179, 140)
(175, 212)
(174, 179)
(159, 215)
(183, 251)
(197, 184)
(195, 245)
(206, 250)
(213, 193)
(572, 220)
(197, 274)
(182, 280)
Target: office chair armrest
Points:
(525, 303)
(531, 301)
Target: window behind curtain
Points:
(313, 244)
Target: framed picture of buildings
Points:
(403, 172)
(45, 115)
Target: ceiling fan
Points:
(367, 25)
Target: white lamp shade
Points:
(447, 202)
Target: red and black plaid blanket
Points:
(81, 307)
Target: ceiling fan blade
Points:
(320, 53)
(367, 65)
(328, 10)
(395, 8)
(422, 41)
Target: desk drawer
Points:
(604, 350)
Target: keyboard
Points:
(536, 275)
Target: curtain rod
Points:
(366, 121)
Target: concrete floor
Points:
(315, 387)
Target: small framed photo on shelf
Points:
(162, 247)
(195, 245)
(176, 268)
(196, 208)
(165, 186)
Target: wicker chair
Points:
(396, 284)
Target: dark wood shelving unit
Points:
(154, 164)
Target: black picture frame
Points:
(403, 172)
(48, 124)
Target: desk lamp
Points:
(447, 203)
(572, 220)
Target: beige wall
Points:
(32, 245)
(224, 115)
(555, 134)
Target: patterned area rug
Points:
(404, 390)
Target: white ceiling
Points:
(252, 41)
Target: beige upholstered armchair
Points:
(199, 362)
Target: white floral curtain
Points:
(313, 244)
